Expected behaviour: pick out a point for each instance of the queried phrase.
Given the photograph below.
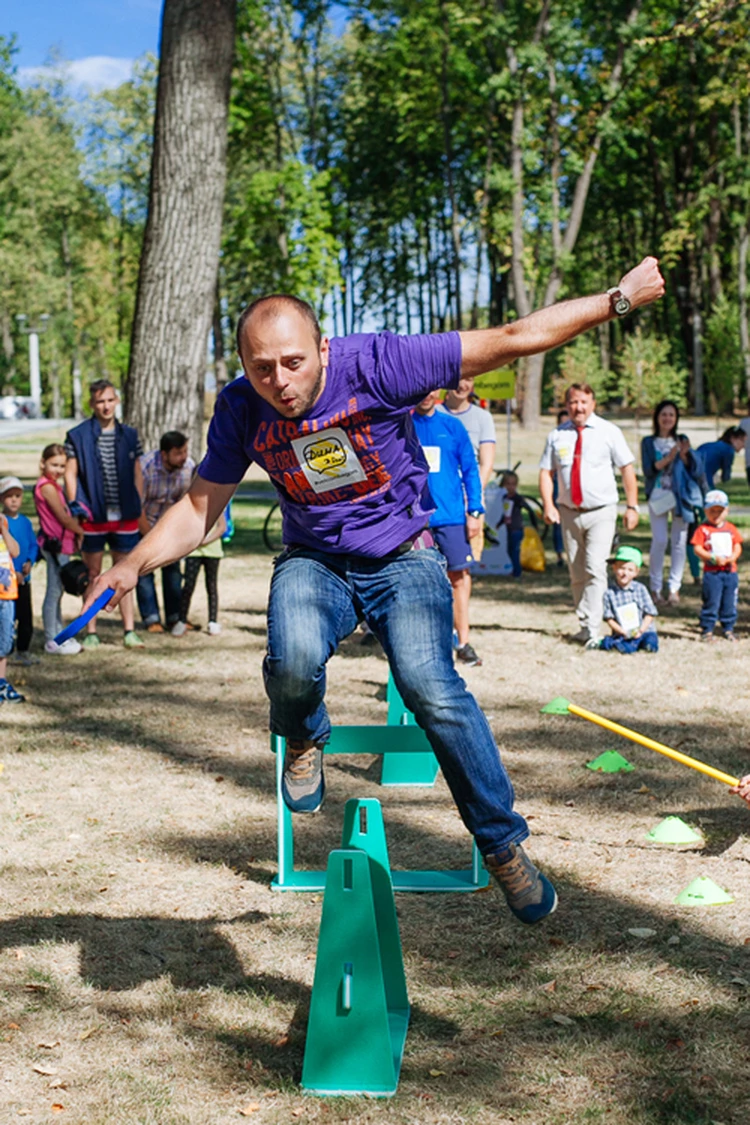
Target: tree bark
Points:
(563, 245)
(179, 260)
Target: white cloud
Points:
(97, 72)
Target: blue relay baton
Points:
(76, 626)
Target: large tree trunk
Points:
(179, 260)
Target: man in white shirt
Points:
(480, 426)
(584, 453)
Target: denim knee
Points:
(295, 675)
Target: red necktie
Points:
(576, 492)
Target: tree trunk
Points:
(221, 373)
(179, 260)
(699, 400)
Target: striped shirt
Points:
(633, 594)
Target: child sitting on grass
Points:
(719, 544)
(629, 609)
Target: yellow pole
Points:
(659, 747)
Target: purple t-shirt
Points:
(350, 474)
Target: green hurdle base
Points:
(363, 740)
(359, 1008)
(420, 768)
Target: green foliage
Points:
(646, 375)
(581, 363)
(723, 355)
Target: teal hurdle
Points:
(363, 740)
(359, 1009)
(419, 768)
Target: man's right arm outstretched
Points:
(180, 530)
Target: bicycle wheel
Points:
(272, 527)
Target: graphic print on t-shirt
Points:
(328, 460)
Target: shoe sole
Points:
(291, 805)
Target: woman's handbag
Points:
(661, 501)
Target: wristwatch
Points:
(619, 302)
(475, 513)
(633, 508)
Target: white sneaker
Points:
(214, 628)
(70, 647)
(179, 629)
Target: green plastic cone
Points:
(672, 830)
(610, 762)
(557, 706)
(703, 892)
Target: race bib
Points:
(328, 460)
(432, 454)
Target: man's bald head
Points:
(272, 306)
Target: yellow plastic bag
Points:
(532, 551)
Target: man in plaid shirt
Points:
(629, 609)
(167, 473)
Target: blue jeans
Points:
(720, 591)
(317, 599)
(649, 642)
(171, 586)
(515, 539)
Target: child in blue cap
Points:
(629, 609)
(718, 544)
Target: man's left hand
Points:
(643, 284)
(630, 519)
(473, 526)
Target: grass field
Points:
(148, 974)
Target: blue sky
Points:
(100, 37)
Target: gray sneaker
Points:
(529, 894)
(303, 785)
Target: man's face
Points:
(428, 403)
(11, 501)
(174, 459)
(580, 407)
(104, 405)
(624, 572)
(282, 363)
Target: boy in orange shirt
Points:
(719, 544)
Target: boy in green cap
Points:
(629, 609)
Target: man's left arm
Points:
(488, 348)
(630, 484)
(140, 485)
(486, 462)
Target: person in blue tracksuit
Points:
(456, 491)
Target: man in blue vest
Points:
(103, 476)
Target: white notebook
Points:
(629, 617)
(721, 544)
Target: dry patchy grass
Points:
(149, 974)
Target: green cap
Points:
(627, 554)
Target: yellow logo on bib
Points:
(326, 456)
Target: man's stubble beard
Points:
(313, 395)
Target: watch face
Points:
(622, 305)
